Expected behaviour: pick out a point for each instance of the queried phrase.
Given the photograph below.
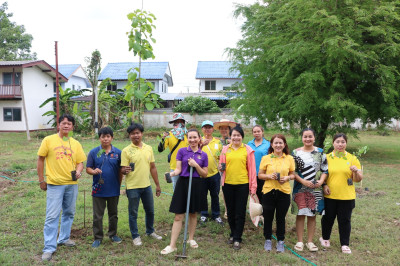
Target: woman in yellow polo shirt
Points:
(277, 169)
(238, 168)
(340, 194)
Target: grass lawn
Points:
(375, 222)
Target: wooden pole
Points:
(57, 88)
(28, 136)
(84, 208)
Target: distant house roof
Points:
(43, 65)
(67, 70)
(215, 70)
(150, 70)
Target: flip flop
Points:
(193, 243)
(324, 243)
(168, 250)
(311, 246)
(299, 246)
(346, 250)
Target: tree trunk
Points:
(92, 105)
(321, 135)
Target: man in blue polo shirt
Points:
(104, 163)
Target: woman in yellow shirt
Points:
(340, 194)
(277, 169)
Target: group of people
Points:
(323, 184)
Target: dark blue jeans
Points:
(134, 196)
(212, 184)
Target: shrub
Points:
(197, 105)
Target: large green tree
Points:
(319, 63)
(15, 44)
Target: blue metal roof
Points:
(215, 69)
(67, 70)
(119, 71)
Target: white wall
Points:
(36, 92)
(219, 84)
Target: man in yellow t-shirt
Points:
(212, 146)
(174, 140)
(137, 162)
(62, 155)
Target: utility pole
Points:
(57, 89)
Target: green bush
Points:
(197, 105)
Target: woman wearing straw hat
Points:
(224, 126)
(174, 140)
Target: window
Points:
(227, 88)
(12, 114)
(73, 87)
(8, 79)
(210, 85)
(79, 87)
(112, 87)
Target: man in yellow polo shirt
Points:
(62, 154)
(212, 146)
(174, 140)
(137, 162)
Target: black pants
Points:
(236, 202)
(260, 184)
(278, 201)
(99, 205)
(342, 209)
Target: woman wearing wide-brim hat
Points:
(174, 140)
(224, 126)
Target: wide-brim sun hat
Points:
(224, 122)
(177, 116)
(255, 210)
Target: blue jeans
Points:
(134, 196)
(174, 180)
(211, 184)
(59, 197)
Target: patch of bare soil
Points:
(151, 134)
(5, 183)
(361, 192)
(81, 232)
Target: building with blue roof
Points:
(77, 79)
(158, 73)
(216, 76)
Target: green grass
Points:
(375, 221)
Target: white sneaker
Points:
(137, 241)
(155, 236)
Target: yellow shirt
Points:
(170, 143)
(283, 165)
(213, 150)
(338, 173)
(236, 166)
(142, 157)
(58, 155)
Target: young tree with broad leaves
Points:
(138, 90)
(92, 71)
(15, 44)
(319, 63)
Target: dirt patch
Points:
(361, 192)
(81, 233)
(5, 183)
(378, 194)
(151, 134)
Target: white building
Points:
(24, 86)
(77, 79)
(216, 76)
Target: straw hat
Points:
(255, 210)
(224, 122)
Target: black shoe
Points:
(230, 241)
(236, 245)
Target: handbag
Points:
(173, 149)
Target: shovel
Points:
(183, 255)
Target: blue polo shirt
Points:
(199, 156)
(109, 165)
(259, 151)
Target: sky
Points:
(186, 31)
